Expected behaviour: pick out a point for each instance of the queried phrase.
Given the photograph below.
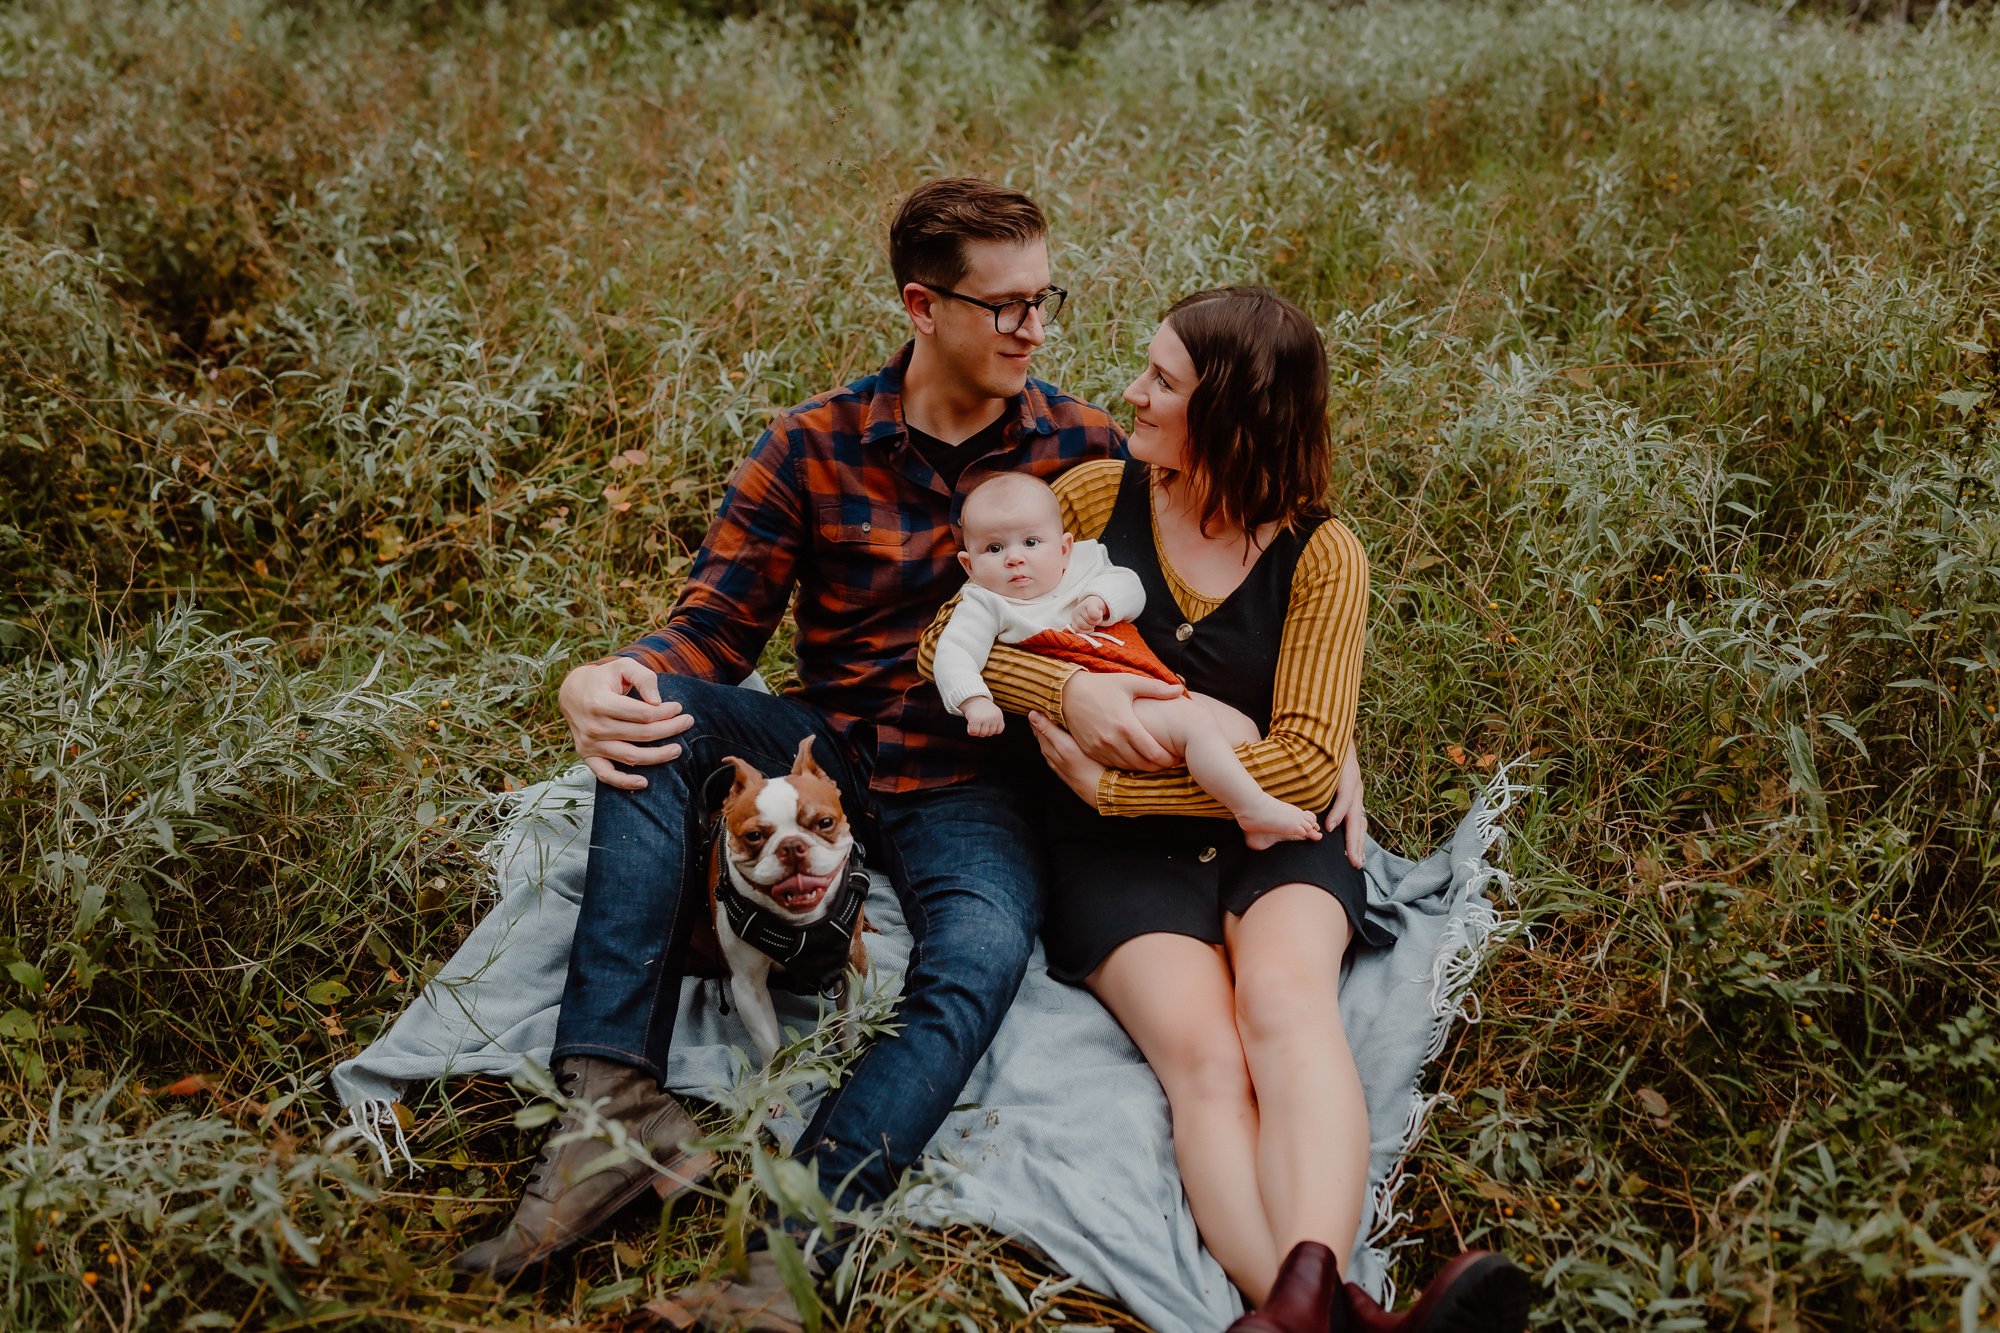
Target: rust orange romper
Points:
(1111, 649)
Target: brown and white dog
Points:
(787, 897)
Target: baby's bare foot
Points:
(1273, 821)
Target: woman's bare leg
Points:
(1192, 727)
(1173, 995)
(1312, 1146)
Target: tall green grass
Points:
(361, 367)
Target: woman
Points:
(1221, 962)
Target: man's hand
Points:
(1091, 612)
(1072, 765)
(608, 725)
(1097, 709)
(982, 716)
(1347, 809)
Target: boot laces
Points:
(566, 1083)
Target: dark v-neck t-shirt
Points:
(951, 460)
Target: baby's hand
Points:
(983, 717)
(1091, 612)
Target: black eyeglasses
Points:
(1009, 316)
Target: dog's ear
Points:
(803, 766)
(745, 774)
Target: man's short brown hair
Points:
(927, 239)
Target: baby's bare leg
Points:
(1236, 727)
(1205, 732)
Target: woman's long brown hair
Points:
(1259, 450)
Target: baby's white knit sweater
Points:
(983, 618)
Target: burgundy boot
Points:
(1303, 1298)
(1478, 1292)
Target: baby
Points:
(1031, 585)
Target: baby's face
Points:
(1015, 545)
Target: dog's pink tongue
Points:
(800, 891)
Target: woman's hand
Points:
(609, 727)
(1097, 706)
(1067, 759)
(1347, 809)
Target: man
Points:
(849, 499)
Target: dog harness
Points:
(810, 958)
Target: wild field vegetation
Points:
(361, 368)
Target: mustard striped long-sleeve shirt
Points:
(1314, 698)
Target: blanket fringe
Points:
(374, 1122)
(1467, 943)
(512, 811)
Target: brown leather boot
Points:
(1302, 1300)
(755, 1301)
(1478, 1292)
(574, 1187)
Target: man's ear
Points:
(920, 303)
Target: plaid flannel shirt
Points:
(835, 500)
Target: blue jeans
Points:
(966, 861)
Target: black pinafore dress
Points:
(1112, 878)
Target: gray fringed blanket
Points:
(1066, 1142)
